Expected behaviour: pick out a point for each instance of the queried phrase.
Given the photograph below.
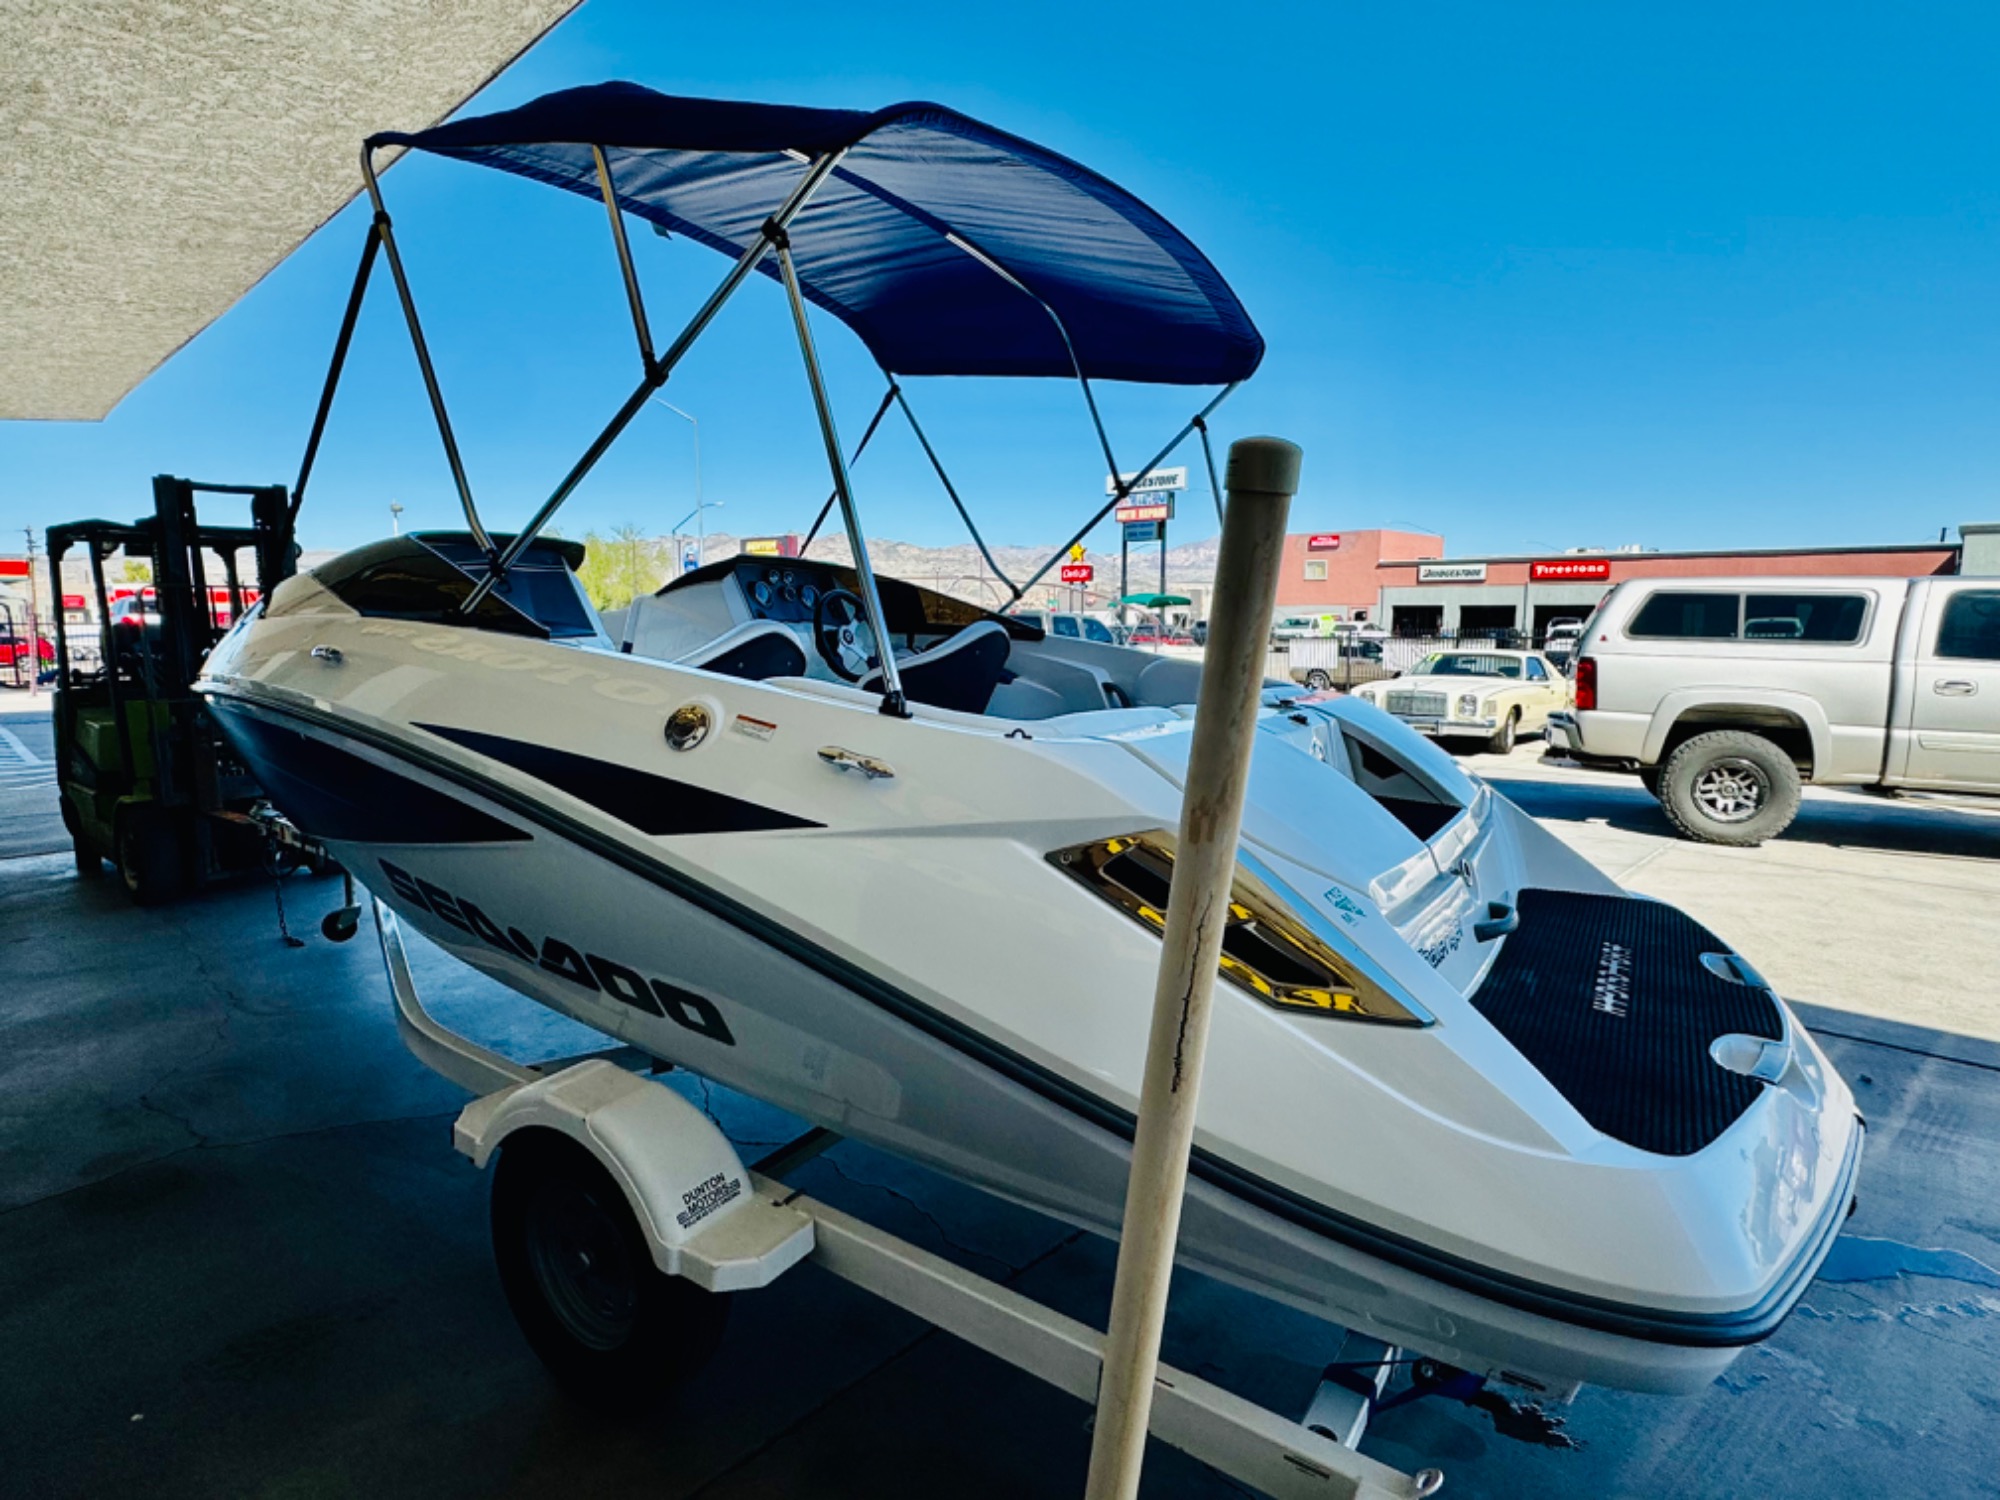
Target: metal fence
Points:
(1347, 661)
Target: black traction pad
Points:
(1608, 997)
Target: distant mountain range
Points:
(959, 569)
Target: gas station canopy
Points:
(163, 158)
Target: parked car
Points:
(1339, 661)
(1726, 695)
(1559, 641)
(1072, 626)
(1297, 627)
(1494, 695)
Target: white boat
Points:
(899, 865)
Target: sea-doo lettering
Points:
(588, 971)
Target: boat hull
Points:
(603, 929)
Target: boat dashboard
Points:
(787, 590)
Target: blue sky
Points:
(1531, 275)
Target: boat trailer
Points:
(726, 1227)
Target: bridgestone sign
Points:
(1451, 572)
(1156, 482)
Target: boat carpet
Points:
(1609, 998)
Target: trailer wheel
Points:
(612, 1329)
(1319, 679)
(149, 857)
(1730, 787)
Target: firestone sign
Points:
(1571, 570)
(1323, 541)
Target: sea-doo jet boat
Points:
(899, 864)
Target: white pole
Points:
(1263, 475)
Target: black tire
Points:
(89, 863)
(150, 857)
(1502, 742)
(1649, 778)
(1318, 680)
(1730, 787)
(613, 1330)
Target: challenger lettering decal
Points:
(588, 971)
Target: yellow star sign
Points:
(1076, 551)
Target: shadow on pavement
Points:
(1840, 821)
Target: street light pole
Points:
(700, 506)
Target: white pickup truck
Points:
(1725, 695)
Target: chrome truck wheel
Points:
(1730, 787)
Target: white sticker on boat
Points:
(757, 729)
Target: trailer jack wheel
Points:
(612, 1329)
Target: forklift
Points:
(145, 781)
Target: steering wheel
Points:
(838, 618)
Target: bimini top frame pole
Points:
(864, 573)
(773, 232)
(1124, 487)
(1120, 486)
(388, 237)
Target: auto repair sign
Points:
(1571, 570)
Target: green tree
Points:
(138, 570)
(619, 567)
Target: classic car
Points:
(1494, 695)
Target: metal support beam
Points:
(1263, 477)
(625, 267)
(333, 369)
(978, 541)
(1122, 489)
(772, 233)
(388, 237)
(881, 411)
(864, 572)
(1208, 457)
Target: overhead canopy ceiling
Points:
(161, 158)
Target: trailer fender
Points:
(701, 1210)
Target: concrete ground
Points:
(238, 1256)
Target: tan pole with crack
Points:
(1262, 477)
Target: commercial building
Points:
(1338, 572)
(1447, 596)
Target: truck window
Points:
(1094, 630)
(1833, 619)
(1066, 625)
(1675, 616)
(1970, 630)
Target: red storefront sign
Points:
(72, 601)
(1571, 570)
(1078, 572)
(15, 567)
(1323, 541)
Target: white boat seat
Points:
(756, 650)
(959, 673)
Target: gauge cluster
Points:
(782, 591)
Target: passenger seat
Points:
(754, 651)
